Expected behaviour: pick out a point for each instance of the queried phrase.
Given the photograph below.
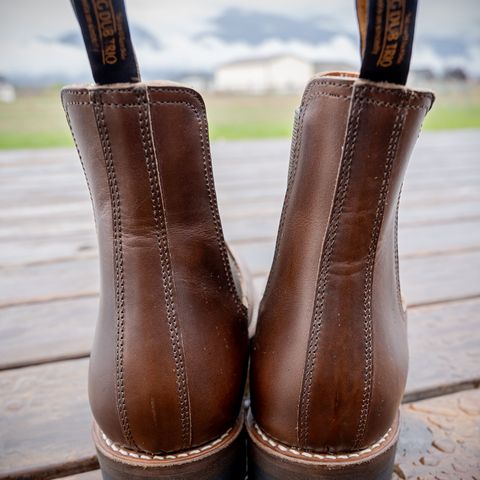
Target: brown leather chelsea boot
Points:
(329, 360)
(169, 359)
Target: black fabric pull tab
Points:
(386, 30)
(107, 39)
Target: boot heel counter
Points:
(81, 119)
(348, 345)
(172, 329)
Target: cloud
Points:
(197, 39)
(43, 59)
(141, 36)
(255, 27)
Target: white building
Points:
(278, 74)
(197, 81)
(7, 91)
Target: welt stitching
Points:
(119, 272)
(369, 271)
(209, 183)
(167, 276)
(286, 449)
(332, 229)
(168, 456)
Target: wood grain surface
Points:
(49, 295)
(440, 439)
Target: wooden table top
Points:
(49, 294)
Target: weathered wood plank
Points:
(440, 278)
(31, 251)
(68, 240)
(428, 239)
(417, 240)
(439, 440)
(45, 421)
(444, 340)
(38, 283)
(45, 209)
(92, 475)
(439, 436)
(266, 196)
(425, 279)
(239, 163)
(460, 142)
(444, 345)
(239, 166)
(33, 334)
(41, 179)
(435, 149)
(81, 212)
(51, 238)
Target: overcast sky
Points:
(25, 24)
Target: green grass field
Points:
(36, 119)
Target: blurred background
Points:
(250, 59)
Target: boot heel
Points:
(222, 459)
(270, 460)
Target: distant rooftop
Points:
(318, 66)
(263, 60)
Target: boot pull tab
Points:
(386, 38)
(105, 31)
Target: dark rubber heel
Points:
(222, 459)
(270, 460)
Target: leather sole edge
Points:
(221, 459)
(271, 460)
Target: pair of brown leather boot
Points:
(169, 362)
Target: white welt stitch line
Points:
(343, 456)
(127, 453)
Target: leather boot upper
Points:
(329, 361)
(169, 358)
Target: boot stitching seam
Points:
(324, 267)
(166, 267)
(119, 271)
(369, 274)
